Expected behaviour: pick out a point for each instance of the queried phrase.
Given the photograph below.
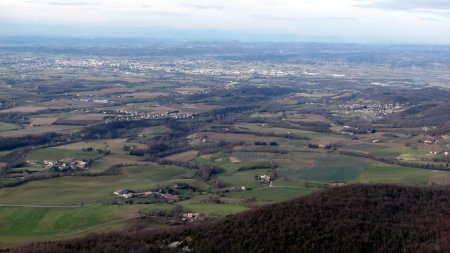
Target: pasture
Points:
(273, 194)
(203, 205)
(23, 224)
(317, 167)
(390, 174)
(74, 190)
(9, 126)
(53, 154)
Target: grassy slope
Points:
(24, 224)
(9, 126)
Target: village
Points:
(378, 110)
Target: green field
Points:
(252, 156)
(113, 145)
(23, 224)
(200, 205)
(74, 190)
(278, 130)
(273, 194)
(243, 178)
(321, 166)
(332, 167)
(54, 154)
(9, 126)
(395, 175)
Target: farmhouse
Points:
(429, 141)
(437, 152)
(127, 194)
(337, 184)
(120, 192)
(190, 217)
(66, 164)
(265, 178)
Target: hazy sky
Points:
(404, 21)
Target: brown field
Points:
(195, 108)
(58, 103)
(287, 101)
(43, 121)
(24, 109)
(315, 95)
(135, 79)
(234, 159)
(308, 118)
(243, 137)
(92, 116)
(109, 91)
(146, 94)
(126, 159)
(81, 119)
(183, 157)
(164, 109)
(189, 90)
(440, 178)
(38, 130)
(295, 162)
(344, 95)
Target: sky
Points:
(368, 21)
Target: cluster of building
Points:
(337, 184)
(127, 194)
(429, 141)
(66, 164)
(160, 66)
(377, 110)
(91, 99)
(122, 115)
(264, 178)
(440, 152)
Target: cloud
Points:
(205, 7)
(354, 20)
(296, 19)
(430, 19)
(78, 3)
(274, 18)
(169, 14)
(407, 5)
